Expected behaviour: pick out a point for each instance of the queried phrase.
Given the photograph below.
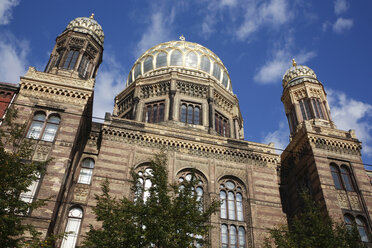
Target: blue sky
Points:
(256, 41)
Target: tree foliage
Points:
(312, 228)
(17, 173)
(171, 216)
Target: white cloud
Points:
(157, 32)
(342, 24)
(110, 81)
(273, 13)
(6, 10)
(13, 58)
(341, 6)
(348, 113)
(273, 70)
(280, 137)
(229, 3)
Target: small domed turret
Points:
(297, 72)
(88, 26)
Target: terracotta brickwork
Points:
(7, 93)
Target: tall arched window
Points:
(46, 129)
(336, 176)
(342, 177)
(86, 171)
(232, 214)
(191, 59)
(186, 176)
(217, 71)
(29, 195)
(137, 71)
(72, 228)
(222, 125)
(71, 59)
(84, 65)
(144, 180)
(346, 178)
(362, 228)
(205, 64)
(147, 65)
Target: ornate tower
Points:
(56, 106)
(321, 159)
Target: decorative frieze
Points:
(191, 89)
(76, 42)
(157, 89)
(126, 103)
(336, 145)
(192, 148)
(91, 50)
(222, 102)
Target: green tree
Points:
(171, 216)
(312, 228)
(17, 173)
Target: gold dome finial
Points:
(182, 38)
(92, 16)
(294, 62)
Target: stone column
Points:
(172, 93)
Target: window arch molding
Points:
(87, 165)
(361, 224)
(143, 173)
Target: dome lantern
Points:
(297, 72)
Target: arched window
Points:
(342, 177)
(336, 176)
(346, 178)
(225, 79)
(232, 214)
(176, 58)
(51, 128)
(186, 176)
(144, 180)
(317, 108)
(192, 59)
(72, 228)
(137, 70)
(360, 224)
(46, 129)
(362, 228)
(147, 65)
(86, 171)
(71, 59)
(190, 113)
(36, 126)
(84, 65)
(161, 59)
(205, 64)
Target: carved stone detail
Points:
(342, 201)
(80, 194)
(91, 50)
(76, 42)
(336, 145)
(222, 102)
(192, 89)
(299, 94)
(41, 153)
(157, 89)
(354, 202)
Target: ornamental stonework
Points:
(158, 89)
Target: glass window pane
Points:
(225, 79)
(224, 238)
(88, 163)
(239, 207)
(232, 236)
(176, 58)
(161, 59)
(347, 179)
(130, 79)
(30, 194)
(68, 59)
(147, 65)
(54, 119)
(191, 59)
(50, 132)
(231, 205)
(217, 71)
(307, 108)
(183, 113)
(137, 70)
(85, 175)
(320, 109)
(197, 115)
(155, 114)
(35, 130)
(223, 205)
(302, 107)
(189, 114)
(205, 64)
(39, 117)
(241, 237)
(161, 112)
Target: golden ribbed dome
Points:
(181, 55)
(87, 25)
(297, 72)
